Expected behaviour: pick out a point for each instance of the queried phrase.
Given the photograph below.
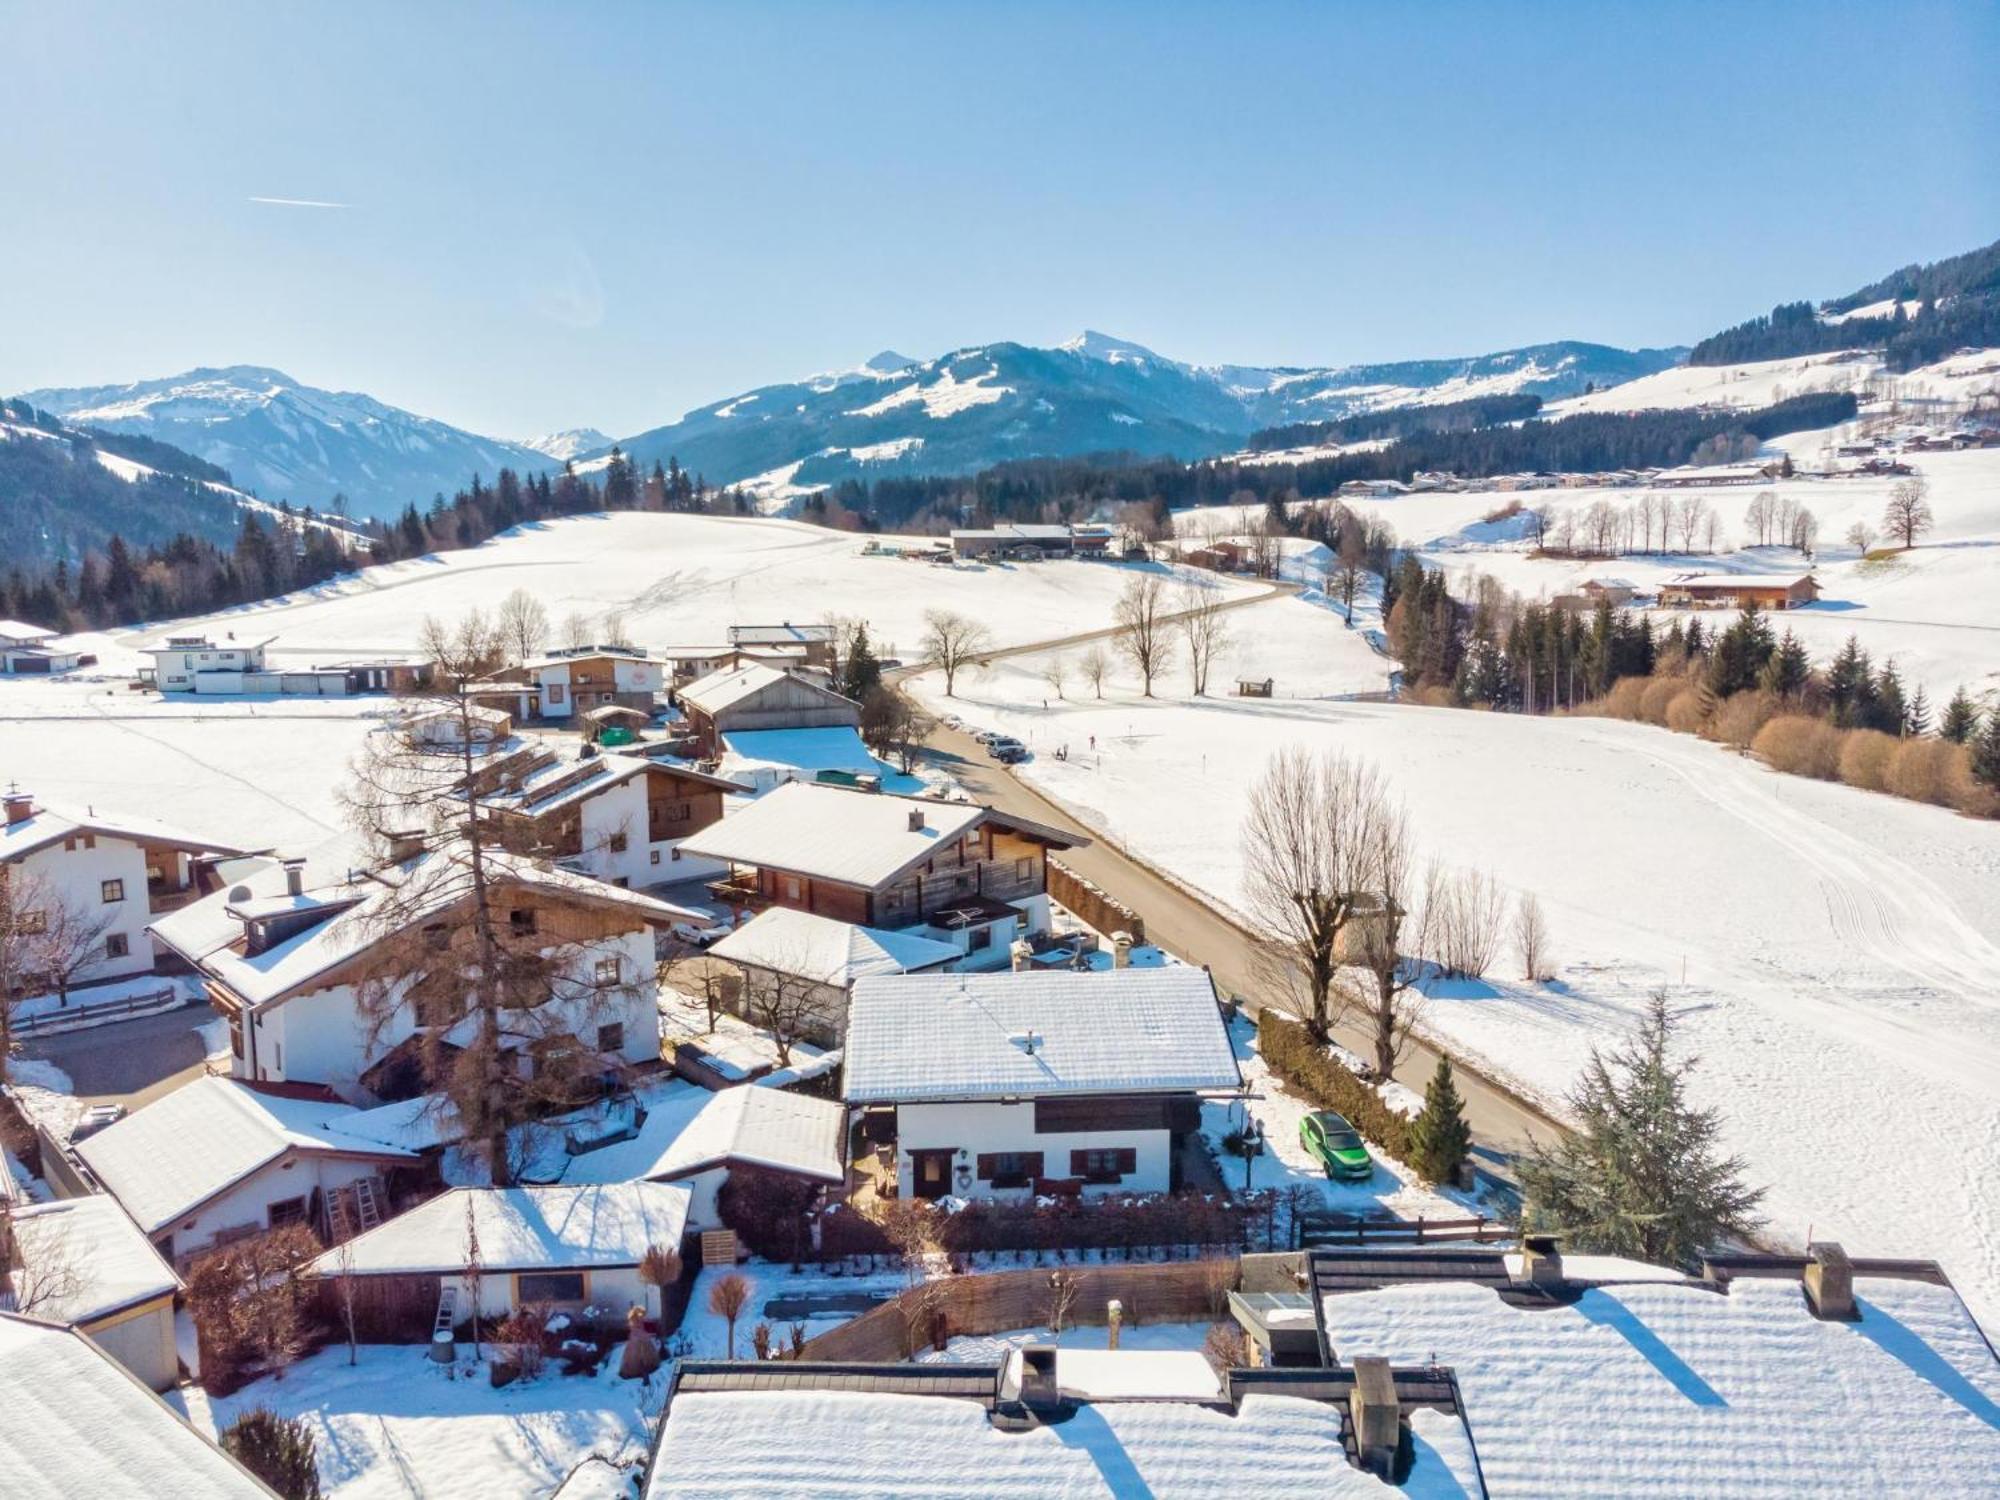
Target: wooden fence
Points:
(1352, 1229)
(1180, 1292)
(1106, 914)
(82, 1015)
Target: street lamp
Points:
(1253, 1147)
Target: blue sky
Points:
(605, 214)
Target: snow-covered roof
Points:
(565, 1227)
(45, 825)
(983, 1036)
(186, 1147)
(819, 948)
(202, 927)
(775, 1443)
(74, 1422)
(833, 747)
(1683, 1390)
(733, 685)
(429, 884)
(87, 1259)
(773, 635)
(853, 837)
(1739, 580)
(762, 1127)
(20, 632)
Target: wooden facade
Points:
(787, 702)
(991, 862)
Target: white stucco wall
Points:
(323, 1036)
(615, 1288)
(78, 876)
(294, 1175)
(983, 1127)
(142, 1340)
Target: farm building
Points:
(1734, 590)
(760, 697)
(1030, 541)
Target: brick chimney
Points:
(1541, 1260)
(1829, 1279)
(20, 807)
(1375, 1415)
(916, 820)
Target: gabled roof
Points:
(21, 631)
(430, 884)
(850, 837)
(1739, 580)
(829, 952)
(97, 1261)
(49, 825)
(733, 685)
(210, 924)
(74, 1422)
(762, 1127)
(560, 783)
(984, 1036)
(520, 1229)
(186, 1147)
(776, 635)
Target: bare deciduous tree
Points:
(1389, 999)
(468, 957)
(951, 643)
(72, 941)
(1531, 937)
(576, 631)
(1055, 672)
(25, 897)
(524, 625)
(660, 1268)
(345, 1288)
(1095, 667)
(893, 724)
(1205, 629)
(726, 1300)
(1908, 514)
(1463, 915)
(1064, 1286)
(1859, 537)
(786, 1001)
(1309, 841)
(1145, 628)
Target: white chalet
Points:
(25, 651)
(1055, 1081)
(291, 981)
(574, 681)
(113, 874)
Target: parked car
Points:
(1007, 751)
(702, 937)
(1336, 1146)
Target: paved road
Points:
(1193, 930)
(129, 1062)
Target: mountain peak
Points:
(1091, 344)
(571, 442)
(888, 362)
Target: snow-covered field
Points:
(1835, 954)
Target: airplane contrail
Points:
(298, 202)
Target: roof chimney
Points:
(1375, 1415)
(405, 844)
(1040, 1390)
(20, 807)
(1829, 1282)
(1022, 955)
(295, 877)
(1121, 950)
(1541, 1261)
(916, 820)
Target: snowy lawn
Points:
(1835, 954)
(395, 1425)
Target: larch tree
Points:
(1145, 635)
(951, 643)
(1644, 1174)
(1309, 840)
(474, 951)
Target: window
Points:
(1010, 1169)
(619, 843)
(654, 857)
(31, 923)
(1104, 1163)
(549, 1286)
(288, 1211)
(978, 938)
(117, 945)
(611, 1037)
(113, 890)
(521, 920)
(606, 971)
(555, 692)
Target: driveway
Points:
(130, 1062)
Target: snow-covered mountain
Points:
(571, 442)
(288, 441)
(979, 406)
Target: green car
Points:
(1335, 1145)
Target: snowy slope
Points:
(571, 442)
(288, 441)
(1836, 954)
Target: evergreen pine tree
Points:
(1986, 753)
(1849, 685)
(1643, 1176)
(1441, 1135)
(1961, 719)
(1789, 669)
(1917, 721)
(861, 674)
(278, 1450)
(1887, 710)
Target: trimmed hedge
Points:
(1290, 1051)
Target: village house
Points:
(25, 651)
(572, 682)
(383, 674)
(1030, 541)
(571, 1248)
(760, 697)
(1734, 590)
(1043, 1082)
(804, 966)
(83, 1262)
(963, 874)
(619, 818)
(218, 1160)
(111, 875)
(813, 643)
(200, 665)
(75, 1422)
(302, 974)
(768, 1130)
(1617, 592)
